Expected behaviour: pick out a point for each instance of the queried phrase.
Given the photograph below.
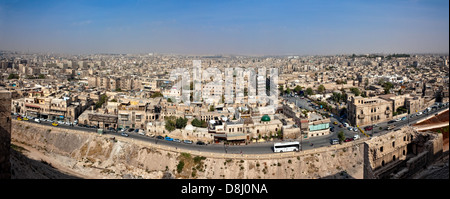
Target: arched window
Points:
(393, 158)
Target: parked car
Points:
(37, 120)
(141, 132)
(159, 137)
(25, 118)
(392, 121)
(348, 139)
(334, 141)
(55, 124)
(404, 118)
(200, 143)
(130, 130)
(177, 140)
(187, 141)
(124, 134)
(136, 130)
(355, 137)
(168, 138)
(419, 113)
(350, 128)
(335, 123)
(355, 129)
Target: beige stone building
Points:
(368, 111)
(61, 109)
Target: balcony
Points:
(387, 112)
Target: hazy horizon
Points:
(225, 27)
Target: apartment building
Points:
(367, 111)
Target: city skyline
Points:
(232, 27)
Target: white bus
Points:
(286, 146)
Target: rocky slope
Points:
(97, 156)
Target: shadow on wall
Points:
(340, 175)
(23, 167)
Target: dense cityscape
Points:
(223, 115)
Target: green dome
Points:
(265, 118)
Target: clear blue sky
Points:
(254, 27)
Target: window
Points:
(393, 158)
(393, 144)
(381, 149)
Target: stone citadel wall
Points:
(101, 157)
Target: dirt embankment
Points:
(88, 155)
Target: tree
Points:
(309, 91)
(337, 97)
(355, 91)
(281, 89)
(321, 89)
(13, 76)
(341, 136)
(156, 94)
(181, 123)
(288, 90)
(170, 125)
(103, 99)
(199, 123)
(297, 89)
(211, 108)
(387, 87)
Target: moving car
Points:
(55, 124)
(355, 137)
(177, 140)
(168, 139)
(187, 141)
(390, 127)
(200, 143)
(159, 137)
(368, 128)
(37, 120)
(124, 134)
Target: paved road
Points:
(254, 148)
